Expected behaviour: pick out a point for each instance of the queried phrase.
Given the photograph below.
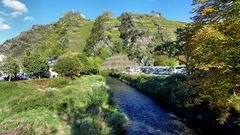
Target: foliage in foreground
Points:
(59, 106)
(211, 46)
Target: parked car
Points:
(129, 69)
(180, 69)
(23, 77)
(138, 70)
(156, 71)
(165, 71)
(148, 70)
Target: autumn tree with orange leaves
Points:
(211, 45)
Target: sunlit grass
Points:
(59, 106)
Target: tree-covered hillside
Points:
(135, 35)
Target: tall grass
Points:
(59, 106)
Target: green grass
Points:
(59, 106)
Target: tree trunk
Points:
(39, 76)
(9, 79)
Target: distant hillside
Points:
(69, 33)
(135, 35)
(104, 34)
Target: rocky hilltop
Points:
(69, 33)
(135, 35)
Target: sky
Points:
(17, 16)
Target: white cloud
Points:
(1, 20)
(15, 5)
(16, 14)
(4, 26)
(18, 9)
(28, 18)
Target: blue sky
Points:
(17, 16)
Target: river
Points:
(146, 117)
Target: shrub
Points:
(118, 122)
(98, 96)
(90, 126)
(68, 65)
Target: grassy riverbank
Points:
(174, 93)
(168, 90)
(59, 106)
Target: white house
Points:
(1, 73)
(51, 62)
(53, 74)
(1, 57)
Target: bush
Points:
(68, 65)
(118, 122)
(90, 126)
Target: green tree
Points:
(69, 65)
(172, 49)
(94, 64)
(36, 65)
(211, 46)
(10, 67)
(104, 53)
(164, 60)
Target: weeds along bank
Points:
(59, 106)
(174, 93)
(168, 90)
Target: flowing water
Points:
(146, 117)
